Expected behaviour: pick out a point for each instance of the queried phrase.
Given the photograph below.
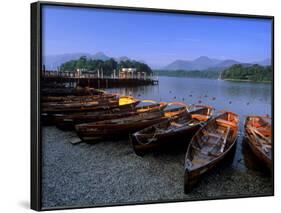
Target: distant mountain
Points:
(200, 63)
(206, 63)
(227, 63)
(100, 56)
(179, 65)
(265, 62)
(122, 58)
(52, 62)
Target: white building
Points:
(128, 73)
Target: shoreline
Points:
(228, 79)
(244, 80)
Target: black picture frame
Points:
(36, 64)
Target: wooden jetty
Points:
(96, 81)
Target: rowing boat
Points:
(68, 122)
(258, 133)
(78, 91)
(173, 131)
(209, 146)
(117, 128)
(49, 114)
(52, 100)
(121, 102)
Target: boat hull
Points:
(257, 151)
(193, 177)
(173, 139)
(79, 91)
(99, 133)
(265, 161)
(174, 133)
(50, 117)
(68, 122)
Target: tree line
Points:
(251, 73)
(192, 74)
(254, 72)
(107, 66)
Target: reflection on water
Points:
(243, 98)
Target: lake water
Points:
(243, 98)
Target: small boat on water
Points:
(209, 146)
(172, 131)
(52, 100)
(64, 91)
(117, 128)
(258, 133)
(122, 102)
(68, 122)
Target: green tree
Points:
(107, 66)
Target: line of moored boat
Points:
(96, 115)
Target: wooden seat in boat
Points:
(211, 134)
(214, 135)
(176, 124)
(200, 117)
(226, 123)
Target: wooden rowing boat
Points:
(49, 114)
(68, 122)
(209, 146)
(121, 102)
(117, 128)
(173, 131)
(52, 100)
(78, 91)
(258, 133)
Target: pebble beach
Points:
(110, 173)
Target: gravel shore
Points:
(111, 173)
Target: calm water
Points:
(243, 98)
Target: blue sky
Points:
(156, 38)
